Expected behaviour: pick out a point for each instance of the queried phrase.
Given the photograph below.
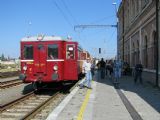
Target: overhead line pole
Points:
(93, 26)
(116, 10)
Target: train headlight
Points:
(25, 67)
(55, 67)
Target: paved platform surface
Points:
(104, 102)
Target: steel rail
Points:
(40, 107)
(44, 104)
(10, 83)
(12, 103)
(13, 80)
(10, 74)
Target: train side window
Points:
(28, 52)
(83, 56)
(70, 52)
(53, 51)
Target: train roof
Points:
(45, 38)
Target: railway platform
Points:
(104, 101)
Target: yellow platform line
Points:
(84, 104)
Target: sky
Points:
(22, 18)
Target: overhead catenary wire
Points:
(102, 19)
(72, 16)
(70, 13)
(63, 14)
(74, 19)
(109, 40)
(112, 35)
(67, 11)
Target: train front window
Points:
(53, 51)
(40, 47)
(28, 52)
(70, 52)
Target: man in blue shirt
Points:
(117, 69)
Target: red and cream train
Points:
(46, 59)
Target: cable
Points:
(102, 19)
(74, 19)
(111, 35)
(61, 11)
(65, 5)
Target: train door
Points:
(70, 64)
(40, 56)
(53, 62)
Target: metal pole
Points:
(116, 10)
(157, 44)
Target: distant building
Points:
(137, 33)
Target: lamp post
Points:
(116, 81)
(116, 10)
(115, 4)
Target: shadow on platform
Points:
(27, 89)
(147, 92)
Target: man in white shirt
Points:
(88, 76)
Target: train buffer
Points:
(104, 102)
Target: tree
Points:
(2, 57)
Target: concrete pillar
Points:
(130, 51)
(140, 44)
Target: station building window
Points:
(28, 52)
(53, 51)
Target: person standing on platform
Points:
(88, 75)
(107, 67)
(98, 69)
(111, 68)
(138, 73)
(102, 68)
(117, 70)
(92, 68)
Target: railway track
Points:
(10, 83)
(32, 106)
(9, 74)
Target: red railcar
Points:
(46, 59)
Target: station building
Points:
(137, 35)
